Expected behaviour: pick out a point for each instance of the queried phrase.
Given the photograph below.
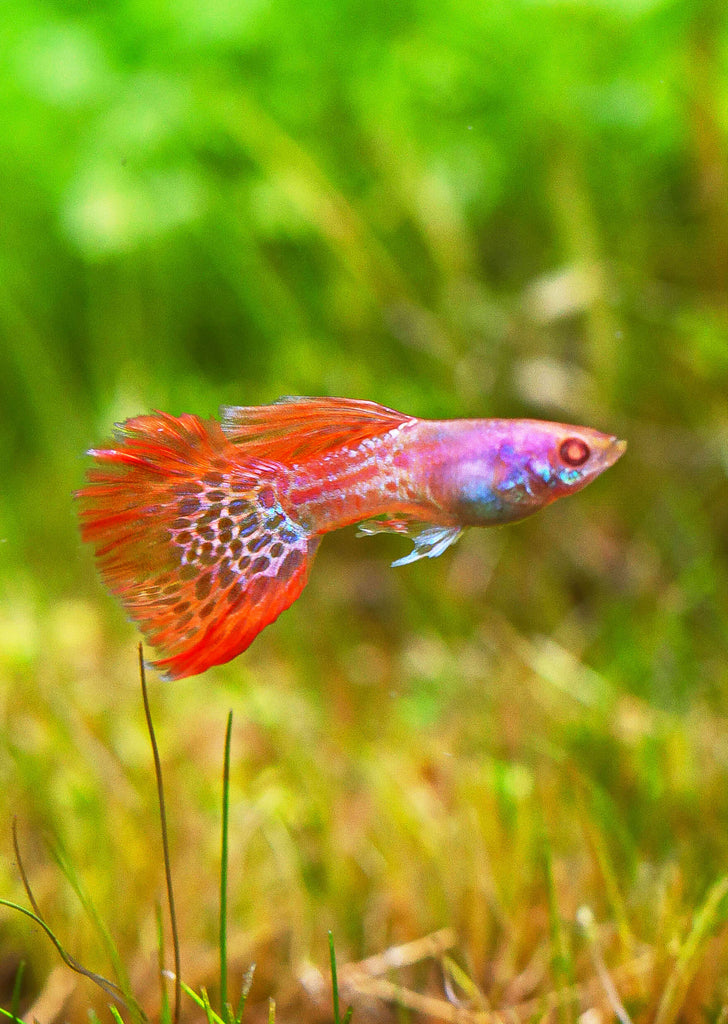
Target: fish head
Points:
(524, 466)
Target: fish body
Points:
(206, 530)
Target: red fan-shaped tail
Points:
(191, 535)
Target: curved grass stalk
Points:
(165, 840)
(226, 1008)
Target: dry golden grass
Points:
(490, 831)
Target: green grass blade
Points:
(116, 1015)
(247, 982)
(17, 985)
(335, 986)
(709, 915)
(212, 1017)
(334, 979)
(202, 1002)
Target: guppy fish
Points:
(206, 530)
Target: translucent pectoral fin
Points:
(395, 525)
(429, 541)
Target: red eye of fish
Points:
(574, 451)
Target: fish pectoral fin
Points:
(397, 524)
(429, 541)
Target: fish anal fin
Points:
(299, 428)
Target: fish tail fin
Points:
(190, 534)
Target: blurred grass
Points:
(461, 209)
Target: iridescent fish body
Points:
(206, 530)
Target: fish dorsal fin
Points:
(299, 428)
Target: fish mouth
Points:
(618, 448)
(613, 450)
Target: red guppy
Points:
(206, 530)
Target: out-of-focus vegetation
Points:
(456, 209)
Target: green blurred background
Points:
(456, 209)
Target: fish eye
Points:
(574, 451)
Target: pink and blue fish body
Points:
(206, 530)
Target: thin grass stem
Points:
(226, 1009)
(585, 918)
(108, 986)
(35, 915)
(165, 839)
(164, 1014)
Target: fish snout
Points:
(609, 451)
